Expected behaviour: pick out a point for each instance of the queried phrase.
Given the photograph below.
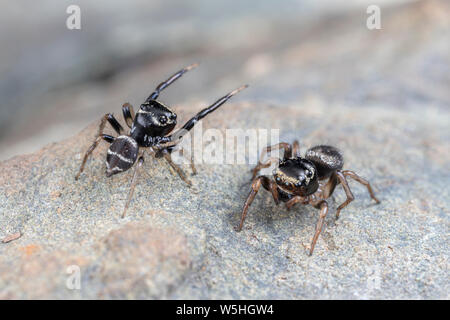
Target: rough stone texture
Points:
(177, 244)
(386, 109)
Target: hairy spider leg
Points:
(362, 181)
(294, 200)
(175, 138)
(167, 155)
(256, 185)
(186, 154)
(190, 124)
(266, 164)
(116, 126)
(348, 193)
(168, 82)
(342, 176)
(296, 148)
(133, 183)
(323, 213)
(128, 114)
(168, 143)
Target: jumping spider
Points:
(150, 127)
(307, 180)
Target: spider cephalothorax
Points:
(152, 120)
(307, 180)
(297, 176)
(149, 129)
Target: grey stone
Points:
(385, 109)
(180, 243)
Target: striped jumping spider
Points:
(149, 130)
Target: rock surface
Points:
(390, 120)
(177, 243)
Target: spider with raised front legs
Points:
(150, 127)
(307, 180)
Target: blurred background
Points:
(55, 81)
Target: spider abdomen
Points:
(122, 155)
(327, 159)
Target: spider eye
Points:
(308, 173)
(162, 119)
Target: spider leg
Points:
(296, 148)
(265, 164)
(117, 127)
(114, 123)
(191, 160)
(364, 182)
(175, 137)
(184, 152)
(256, 185)
(319, 225)
(133, 184)
(347, 190)
(272, 187)
(174, 166)
(128, 114)
(296, 199)
(282, 145)
(329, 187)
(168, 82)
(194, 169)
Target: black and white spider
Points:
(149, 130)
